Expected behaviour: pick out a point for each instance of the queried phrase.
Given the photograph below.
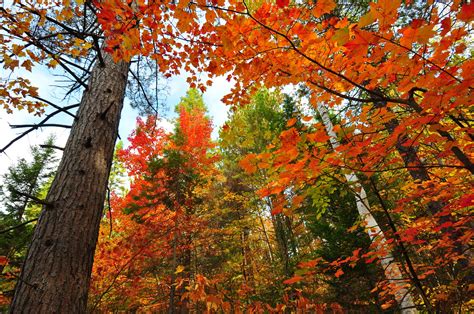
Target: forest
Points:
(341, 181)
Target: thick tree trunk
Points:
(55, 276)
(392, 271)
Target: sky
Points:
(45, 81)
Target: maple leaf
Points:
(322, 7)
(282, 3)
(27, 65)
(366, 19)
(291, 122)
(467, 12)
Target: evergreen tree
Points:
(20, 192)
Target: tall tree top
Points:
(192, 100)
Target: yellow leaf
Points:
(366, 19)
(341, 36)
(52, 64)
(179, 269)
(27, 65)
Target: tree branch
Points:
(35, 126)
(18, 226)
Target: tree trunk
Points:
(392, 271)
(55, 276)
(267, 240)
(171, 306)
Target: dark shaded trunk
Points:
(409, 154)
(171, 305)
(246, 257)
(282, 240)
(56, 274)
(414, 165)
(463, 158)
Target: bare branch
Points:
(38, 126)
(32, 128)
(51, 146)
(33, 198)
(18, 226)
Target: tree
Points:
(161, 217)
(354, 65)
(66, 231)
(392, 270)
(21, 191)
(64, 34)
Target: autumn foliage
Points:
(377, 113)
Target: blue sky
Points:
(45, 81)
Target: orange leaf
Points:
(323, 7)
(292, 280)
(339, 273)
(366, 19)
(247, 165)
(386, 305)
(291, 122)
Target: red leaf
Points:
(467, 12)
(3, 260)
(339, 273)
(282, 3)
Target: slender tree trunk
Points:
(392, 271)
(282, 241)
(247, 270)
(171, 307)
(267, 240)
(56, 274)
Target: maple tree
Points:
(160, 218)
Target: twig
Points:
(34, 198)
(18, 226)
(62, 109)
(51, 146)
(110, 210)
(37, 126)
(32, 128)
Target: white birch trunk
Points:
(392, 271)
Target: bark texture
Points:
(56, 274)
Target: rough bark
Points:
(392, 271)
(55, 276)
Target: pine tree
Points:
(23, 186)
